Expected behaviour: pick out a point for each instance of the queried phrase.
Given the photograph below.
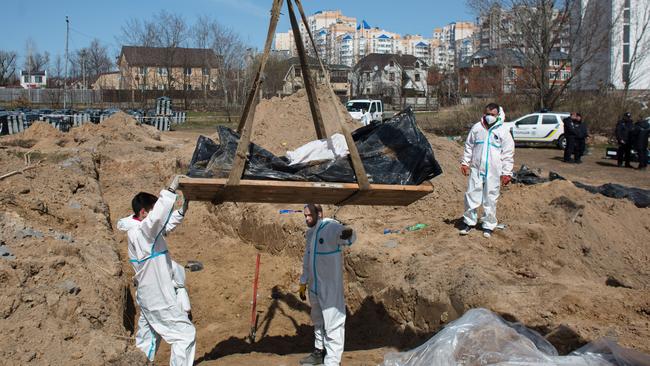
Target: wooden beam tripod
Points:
(297, 192)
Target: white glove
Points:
(173, 186)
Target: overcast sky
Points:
(43, 21)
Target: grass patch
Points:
(207, 120)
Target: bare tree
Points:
(541, 31)
(7, 67)
(98, 59)
(55, 73)
(234, 58)
(275, 71)
(34, 60)
(165, 30)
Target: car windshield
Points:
(357, 106)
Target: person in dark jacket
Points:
(581, 133)
(624, 135)
(570, 136)
(642, 132)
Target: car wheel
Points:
(561, 142)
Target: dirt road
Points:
(594, 170)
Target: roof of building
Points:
(494, 58)
(347, 37)
(339, 67)
(363, 24)
(382, 59)
(311, 61)
(421, 44)
(383, 36)
(559, 55)
(33, 73)
(169, 57)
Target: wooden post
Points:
(248, 115)
(275, 15)
(306, 75)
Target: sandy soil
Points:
(570, 264)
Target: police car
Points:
(540, 127)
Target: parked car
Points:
(540, 127)
(365, 110)
(612, 153)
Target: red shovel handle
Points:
(255, 282)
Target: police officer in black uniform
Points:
(642, 132)
(624, 136)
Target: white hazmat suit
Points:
(322, 271)
(489, 152)
(160, 313)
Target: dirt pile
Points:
(62, 292)
(38, 136)
(120, 127)
(283, 124)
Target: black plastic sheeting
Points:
(528, 176)
(392, 152)
(640, 197)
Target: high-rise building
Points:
(624, 60)
(451, 42)
(343, 40)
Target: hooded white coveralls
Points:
(322, 271)
(160, 313)
(489, 152)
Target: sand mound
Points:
(283, 124)
(39, 136)
(120, 127)
(42, 130)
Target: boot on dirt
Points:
(487, 233)
(465, 229)
(315, 358)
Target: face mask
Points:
(490, 119)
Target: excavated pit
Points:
(553, 268)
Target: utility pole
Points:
(83, 74)
(65, 79)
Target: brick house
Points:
(166, 68)
(495, 72)
(390, 75)
(338, 76)
(107, 80)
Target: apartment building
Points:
(624, 60)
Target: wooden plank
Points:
(247, 119)
(275, 15)
(306, 76)
(265, 191)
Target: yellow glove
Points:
(302, 291)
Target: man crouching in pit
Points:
(162, 310)
(322, 273)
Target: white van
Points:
(365, 110)
(539, 128)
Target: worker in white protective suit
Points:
(161, 315)
(322, 274)
(487, 160)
